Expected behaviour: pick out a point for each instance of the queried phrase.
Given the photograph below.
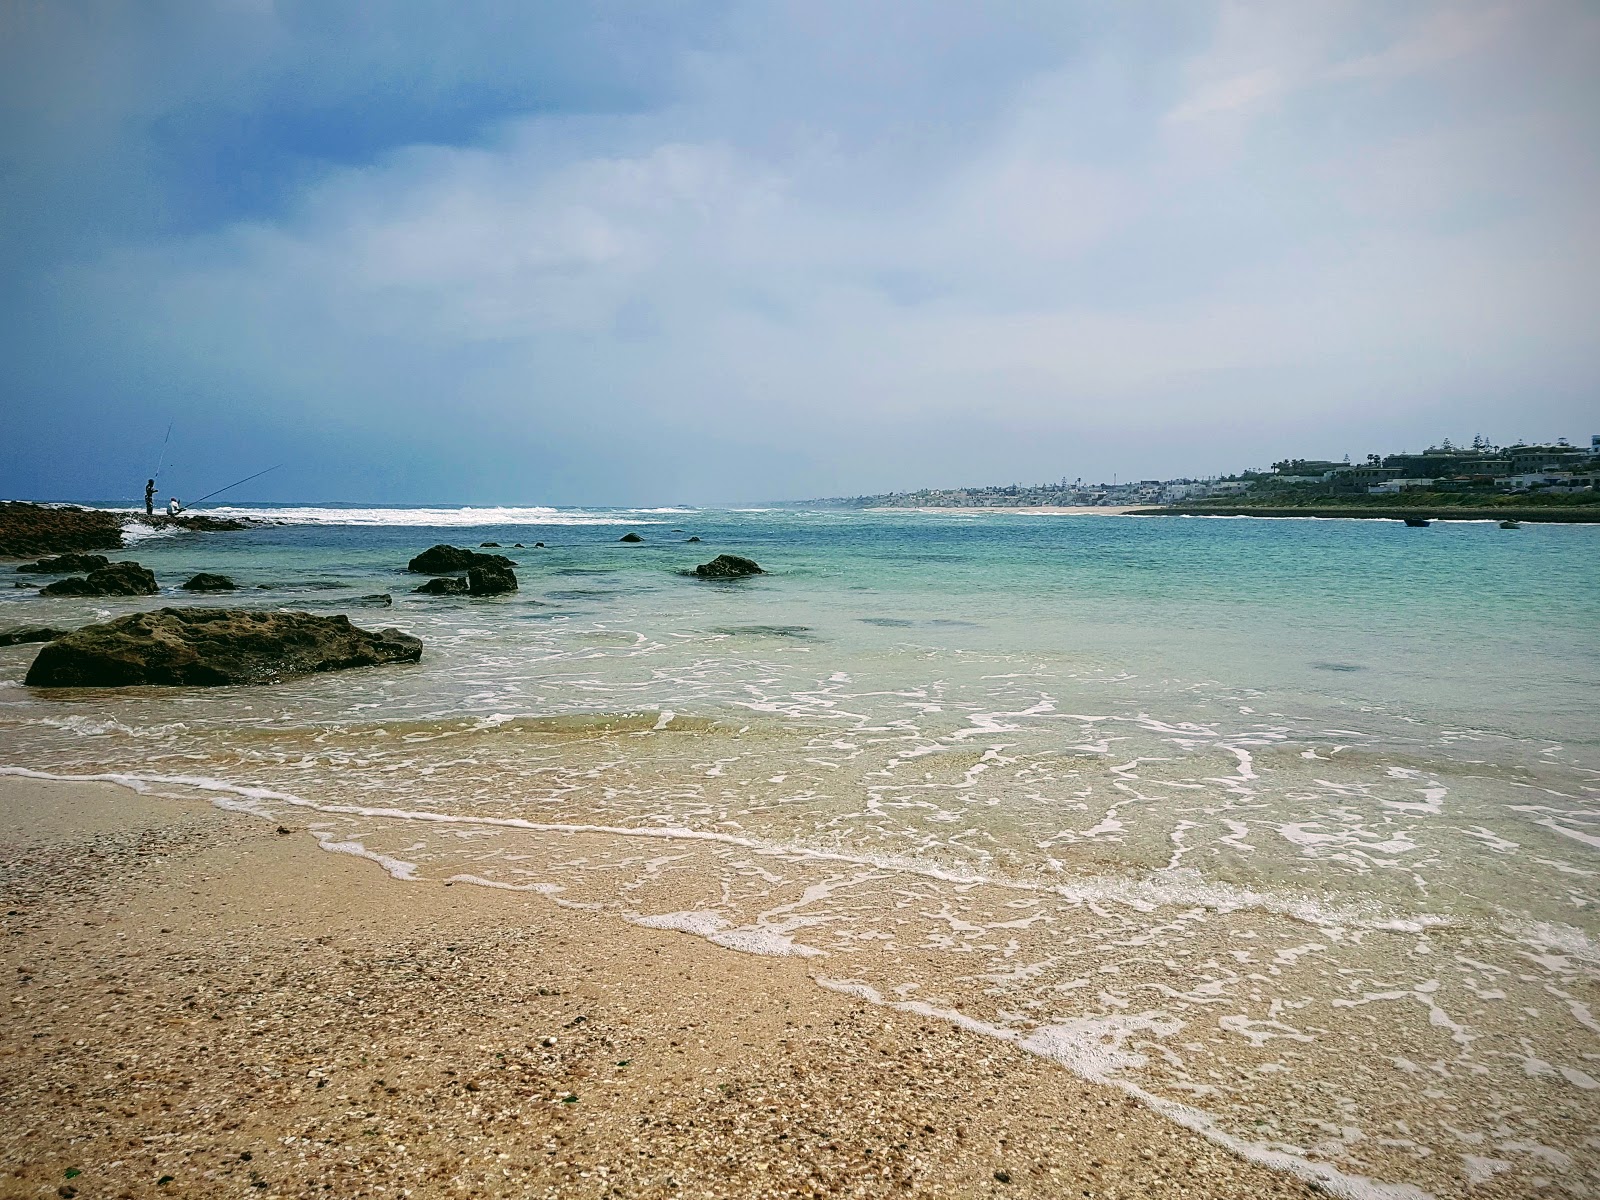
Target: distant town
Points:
(1448, 475)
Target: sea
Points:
(1289, 829)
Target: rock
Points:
(377, 600)
(29, 633)
(444, 585)
(206, 647)
(727, 566)
(538, 545)
(630, 537)
(118, 579)
(32, 529)
(496, 545)
(491, 580)
(441, 560)
(65, 564)
(518, 546)
(204, 582)
(693, 539)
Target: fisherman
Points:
(174, 507)
(149, 497)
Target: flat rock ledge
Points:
(31, 529)
(209, 647)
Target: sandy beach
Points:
(202, 1003)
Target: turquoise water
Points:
(1293, 823)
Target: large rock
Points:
(444, 585)
(118, 579)
(29, 633)
(727, 566)
(29, 529)
(442, 560)
(491, 580)
(207, 582)
(630, 536)
(205, 647)
(65, 564)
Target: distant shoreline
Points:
(1588, 515)
(1038, 510)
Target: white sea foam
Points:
(465, 517)
(1183, 886)
(1083, 1049)
(714, 928)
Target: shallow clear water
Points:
(1293, 823)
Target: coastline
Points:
(1552, 514)
(1040, 510)
(201, 999)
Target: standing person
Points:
(149, 497)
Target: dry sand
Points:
(199, 1004)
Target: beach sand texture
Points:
(200, 1004)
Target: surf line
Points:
(1038, 1042)
(1143, 896)
(1041, 1042)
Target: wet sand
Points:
(202, 1004)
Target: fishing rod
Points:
(163, 457)
(230, 487)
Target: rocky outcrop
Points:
(442, 560)
(29, 633)
(691, 539)
(630, 537)
(65, 564)
(118, 579)
(728, 566)
(491, 580)
(32, 529)
(207, 647)
(445, 585)
(206, 582)
(195, 522)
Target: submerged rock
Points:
(377, 600)
(206, 582)
(630, 537)
(206, 647)
(29, 633)
(496, 545)
(444, 585)
(442, 559)
(728, 566)
(491, 580)
(118, 579)
(692, 539)
(65, 564)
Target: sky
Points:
(699, 252)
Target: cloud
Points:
(836, 255)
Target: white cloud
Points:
(1091, 254)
